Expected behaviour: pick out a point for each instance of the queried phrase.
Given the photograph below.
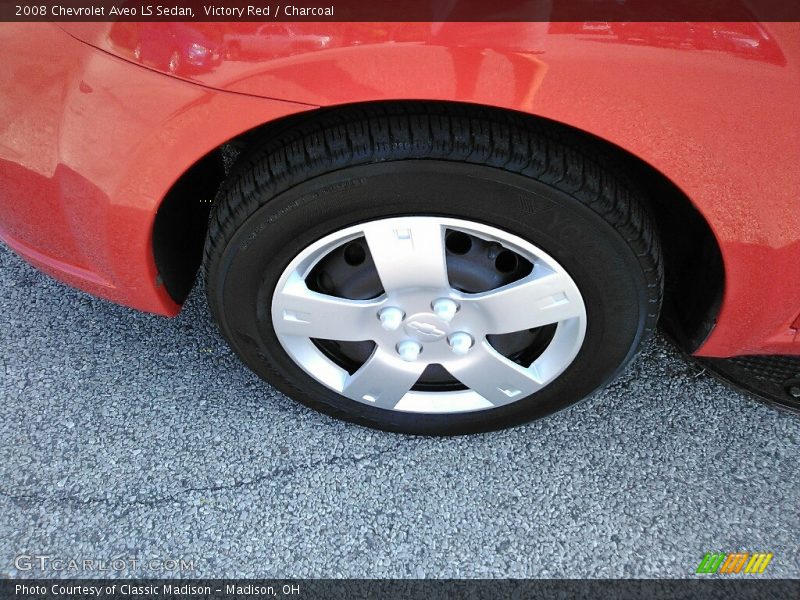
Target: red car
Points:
(432, 228)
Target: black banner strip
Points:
(734, 588)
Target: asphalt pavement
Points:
(132, 437)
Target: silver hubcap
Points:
(421, 320)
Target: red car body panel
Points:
(89, 146)
(91, 142)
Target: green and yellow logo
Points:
(736, 562)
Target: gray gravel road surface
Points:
(129, 435)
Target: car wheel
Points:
(432, 272)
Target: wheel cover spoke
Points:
(408, 253)
(495, 377)
(535, 301)
(383, 380)
(302, 312)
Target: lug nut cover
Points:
(391, 318)
(460, 342)
(445, 308)
(409, 350)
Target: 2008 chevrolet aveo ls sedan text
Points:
(433, 228)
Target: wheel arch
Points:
(694, 270)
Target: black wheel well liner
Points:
(694, 270)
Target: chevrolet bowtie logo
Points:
(425, 329)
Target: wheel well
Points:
(181, 222)
(694, 272)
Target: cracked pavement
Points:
(125, 434)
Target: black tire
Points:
(546, 184)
